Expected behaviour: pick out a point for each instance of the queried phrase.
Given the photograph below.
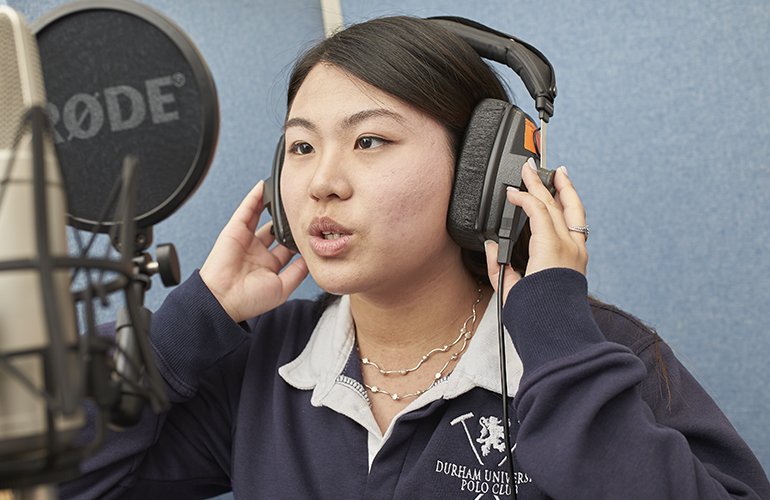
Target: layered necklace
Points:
(466, 332)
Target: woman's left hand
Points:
(552, 244)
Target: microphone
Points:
(131, 103)
(143, 127)
(41, 381)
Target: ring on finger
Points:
(580, 229)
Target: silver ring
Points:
(580, 229)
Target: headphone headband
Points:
(529, 63)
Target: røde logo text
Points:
(83, 115)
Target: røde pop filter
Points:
(122, 79)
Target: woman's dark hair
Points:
(424, 65)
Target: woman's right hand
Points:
(241, 270)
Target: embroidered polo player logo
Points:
(482, 480)
(492, 435)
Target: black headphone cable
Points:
(504, 251)
(504, 382)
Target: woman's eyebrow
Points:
(348, 122)
(299, 122)
(367, 114)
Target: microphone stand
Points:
(133, 324)
(133, 321)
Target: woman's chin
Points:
(333, 279)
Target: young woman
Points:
(389, 387)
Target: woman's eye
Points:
(301, 148)
(370, 142)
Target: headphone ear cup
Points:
(471, 171)
(274, 203)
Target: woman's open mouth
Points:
(328, 238)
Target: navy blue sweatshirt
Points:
(602, 409)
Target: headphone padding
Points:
(471, 171)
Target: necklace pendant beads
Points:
(465, 335)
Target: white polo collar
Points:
(321, 368)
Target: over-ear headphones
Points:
(498, 141)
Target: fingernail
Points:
(512, 188)
(532, 165)
(486, 243)
(564, 169)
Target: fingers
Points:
(537, 189)
(510, 278)
(250, 209)
(264, 235)
(280, 253)
(493, 268)
(564, 210)
(571, 206)
(544, 214)
(292, 276)
(552, 243)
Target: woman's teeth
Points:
(331, 236)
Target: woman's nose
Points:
(330, 178)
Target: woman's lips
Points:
(328, 238)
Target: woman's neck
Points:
(398, 329)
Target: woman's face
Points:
(365, 185)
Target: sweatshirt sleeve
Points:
(190, 333)
(593, 422)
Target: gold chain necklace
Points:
(465, 336)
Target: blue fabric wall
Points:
(661, 119)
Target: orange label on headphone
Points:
(531, 134)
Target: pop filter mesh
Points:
(119, 85)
